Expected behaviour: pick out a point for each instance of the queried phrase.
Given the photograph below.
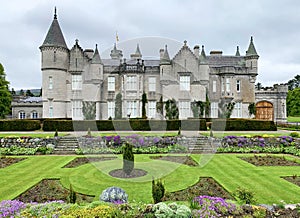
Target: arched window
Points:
(22, 115)
(54, 56)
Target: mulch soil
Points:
(187, 160)
(78, 161)
(7, 161)
(269, 160)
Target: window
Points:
(77, 110)
(50, 108)
(34, 115)
(214, 109)
(238, 85)
(131, 108)
(222, 85)
(227, 85)
(184, 109)
(214, 86)
(131, 83)
(111, 109)
(50, 82)
(22, 115)
(152, 84)
(151, 109)
(184, 83)
(76, 82)
(111, 83)
(237, 112)
(54, 56)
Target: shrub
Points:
(128, 158)
(19, 125)
(243, 125)
(245, 196)
(56, 133)
(72, 195)
(158, 191)
(294, 134)
(162, 210)
(114, 195)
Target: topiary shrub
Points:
(114, 195)
(158, 191)
(128, 158)
(72, 195)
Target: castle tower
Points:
(251, 58)
(54, 66)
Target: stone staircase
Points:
(66, 145)
(200, 145)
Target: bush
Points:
(158, 191)
(19, 125)
(114, 195)
(245, 196)
(242, 125)
(128, 158)
(171, 210)
(72, 195)
(294, 134)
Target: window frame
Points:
(76, 82)
(152, 84)
(185, 82)
(111, 83)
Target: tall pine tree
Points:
(5, 95)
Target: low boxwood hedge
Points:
(235, 124)
(19, 125)
(124, 125)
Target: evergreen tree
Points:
(207, 105)
(158, 191)
(172, 111)
(21, 93)
(144, 101)
(128, 158)
(29, 93)
(160, 106)
(294, 83)
(5, 95)
(118, 106)
(252, 109)
(13, 92)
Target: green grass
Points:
(227, 169)
(32, 134)
(221, 134)
(293, 119)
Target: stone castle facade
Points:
(77, 82)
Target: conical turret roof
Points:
(251, 49)
(165, 58)
(237, 53)
(96, 57)
(55, 36)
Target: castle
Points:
(79, 84)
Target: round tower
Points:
(54, 66)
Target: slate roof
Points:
(55, 36)
(225, 61)
(96, 57)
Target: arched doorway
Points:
(264, 110)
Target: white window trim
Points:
(76, 82)
(111, 83)
(22, 115)
(184, 82)
(151, 109)
(131, 83)
(214, 89)
(238, 86)
(77, 110)
(227, 84)
(152, 84)
(184, 109)
(34, 113)
(111, 109)
(50, 82)
(214, 107)
(132, 109)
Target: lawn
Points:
(92, 178)
(293, 119)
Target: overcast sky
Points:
(216, 24)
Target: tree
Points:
(198, 108)
(172, 111)
(89, 110)
(158, 191)
(252, 109)
(293, 102)
(21, 93)
(207, 105)
(29, 93)
(5, 95)
(294, 83)
(128, 158)
(144, 101)
(13, 92)
(118, 108)
(160, 106)
(259, 86)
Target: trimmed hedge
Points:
(124, 125)
(19, 125)
(242, 125)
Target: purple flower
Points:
(9, 208)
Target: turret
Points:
(115, 53)
(97, 65)
(137, 55)
(251, 58)
(165, 65)
(54, 66)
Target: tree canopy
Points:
(293, 102)
(294, 83)
(5, 95)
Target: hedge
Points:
(124, 125)
(19, 125)
(243, 125)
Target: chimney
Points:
(196, 51)
(216, 53)
(161, 52)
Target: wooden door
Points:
(264, 110)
